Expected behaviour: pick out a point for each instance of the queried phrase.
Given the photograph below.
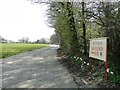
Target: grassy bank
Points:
(13, 49)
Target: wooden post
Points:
(90, 64)
(107, 70)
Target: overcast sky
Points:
(21, 18)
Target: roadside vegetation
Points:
(76, 23)
(9, 49)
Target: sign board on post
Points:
(98, 50)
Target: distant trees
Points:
(24, 40)
(3, 40)
(42, 41)
(54, 39)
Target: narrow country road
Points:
(35, 69)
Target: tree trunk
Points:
(84, 31)
(74, 45)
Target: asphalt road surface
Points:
(36, 69)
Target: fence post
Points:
(90, 64)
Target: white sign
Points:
(98, 48)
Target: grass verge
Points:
(13, 49)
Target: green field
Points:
(7, 50)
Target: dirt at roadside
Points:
(83, 79)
